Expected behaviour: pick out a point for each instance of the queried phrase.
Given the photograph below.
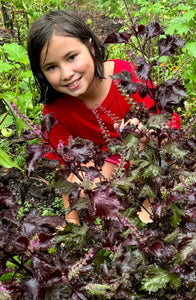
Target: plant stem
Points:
(12, 259)
(7, 113)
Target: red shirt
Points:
(75, 119)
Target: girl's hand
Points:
(119, 127)
(135, 122)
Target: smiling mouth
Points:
(74, 83)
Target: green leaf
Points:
(174, 280)
(163, 59)
(6, 276)
(5, 67)
(146, 192)
(73, 236)
(157, 278)
(6, 161)
(170, 237)
(178, 25)
(190, 14)
(11, 265)
(52, 250)
(8, 96)
(157, 121)
(174, 151)
(23, 101)
(191, 48)
(27, 74)
(122, 185)
(151, 171)
(98, 289)
(7, 122)
(16, 53)
(177, 213)
(9, 276)
(64, 186)
(20, 124)
(131, 143)
(131, 214)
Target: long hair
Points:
(62, 23)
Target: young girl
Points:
(73, 77)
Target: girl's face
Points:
(68, 66)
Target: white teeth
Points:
(74, 83)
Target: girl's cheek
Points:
(54, 78)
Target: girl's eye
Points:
(72, 57)
(50, 68)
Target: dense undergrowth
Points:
(113, 255)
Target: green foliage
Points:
(157, 278)
(6, 161)
(72, 236)
(130, 259)
(176, 18)
(55, 208)
(113, 8)
(6, 121)
(177, 214)
(19, 79)
(24, 209)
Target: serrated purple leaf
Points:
(79, 150)
(126, 82)
(21, 243)
(46, 267)
(117, 38)
(158, 249)
(104, 270)
(28, 135)
(157, 209)
(36, 290)
(174, 197)
(191, 213)
(138, 29)
(144, 69)
(36, 152)
(141, 29)
(150, 235)
(46, 241)
(131, 240)
(3, 237)
(168, 45)
(191, 144)
(170, 92)
(47, 123)
(78, 292)
(152, 30)
(111, 239)
(105, 203)
(49, 221)
(28, 229)
(7, 197)
(143, 91)
(85, 269)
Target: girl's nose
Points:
(66, 73)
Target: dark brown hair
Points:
(63, 23)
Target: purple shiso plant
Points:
(113, 254)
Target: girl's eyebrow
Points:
(45, 65)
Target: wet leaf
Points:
(105, 203)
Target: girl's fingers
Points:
(116, 127)
(119, 127)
